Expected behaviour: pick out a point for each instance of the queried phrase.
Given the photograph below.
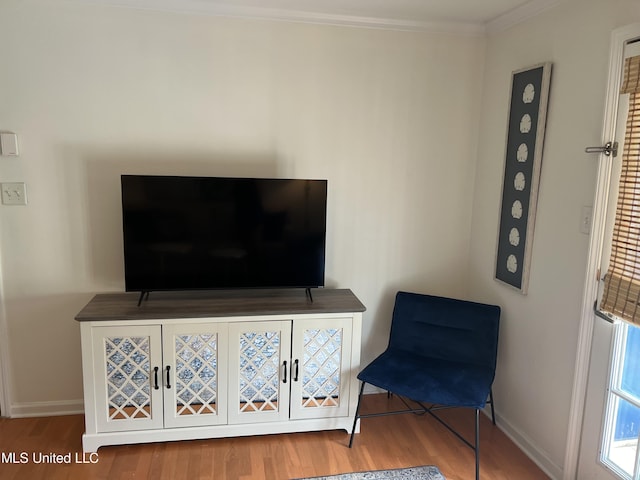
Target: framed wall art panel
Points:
(525, 139)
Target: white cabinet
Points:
(195, 374)
(153, 373)
(277, 375)
(321, 368)
(124, 362)
(259, 382)
(157, 376)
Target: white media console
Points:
(193, 365)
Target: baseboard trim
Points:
(524, 443)
(371, 389)
(47, 409)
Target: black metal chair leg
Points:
(357, 415)
(493, 411)
(477, 445)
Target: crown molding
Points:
(520, 14)
(208, 7)
(200, 7)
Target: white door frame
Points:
(585, 336)
(5, 397)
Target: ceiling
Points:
(471, 16)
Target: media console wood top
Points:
(218, 303)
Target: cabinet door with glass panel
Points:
(259, 371)
(284, 369)
(152, 376)
(321, 357)
(195, 374)
(127, 362)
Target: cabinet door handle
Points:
(297, 370)
(168, 381)
(155, 374)
(284, 379)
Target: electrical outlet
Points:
(14, 193)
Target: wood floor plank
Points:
(384, 443)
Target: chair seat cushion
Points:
(430, 380)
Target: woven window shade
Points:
(621, 295)
(631, 80)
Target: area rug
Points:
(427, 472)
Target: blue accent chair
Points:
(441, 354)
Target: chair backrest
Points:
(445, 328)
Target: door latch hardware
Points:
(610, 149)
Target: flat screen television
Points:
(186, 233)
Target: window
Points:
(621, 295)
(622, 421)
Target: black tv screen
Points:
(184, 233)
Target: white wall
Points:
(392, 119)
(389, 118)
(539, 331)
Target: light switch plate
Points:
(14, 193)
(8, 144)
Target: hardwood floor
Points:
(384, 442)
